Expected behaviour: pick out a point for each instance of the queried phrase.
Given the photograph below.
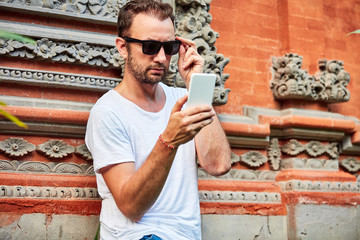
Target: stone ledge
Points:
(51, 206)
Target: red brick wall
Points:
(253, 31)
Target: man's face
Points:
(150, 69)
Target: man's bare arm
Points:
(213, 149)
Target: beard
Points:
(142, 74)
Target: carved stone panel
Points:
(55, 149)
(16, 147)
(328, 85)
(192, 22)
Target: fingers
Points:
(179, 104)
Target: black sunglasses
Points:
(152, 47)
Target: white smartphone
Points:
(201, 90)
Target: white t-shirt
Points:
(119, 131)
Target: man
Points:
(142, 141)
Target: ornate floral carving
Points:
(34, 167)
(350, 164)
(274, 154)
(84, 152)
(6, 46)
(234, 158)
(80, 53)
(314, 148)
(7, 166)
(192, 21)
(46, 48)
(46, 167)
(292, 148)
(68, 168)
(16, 147)
(332, 150)
(55, 149)
(253, 159)
(289, 81)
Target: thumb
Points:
(179, 104)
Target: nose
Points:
(160, 56)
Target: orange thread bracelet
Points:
(166, 143)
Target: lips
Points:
(157, 70)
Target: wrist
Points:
(168, 145)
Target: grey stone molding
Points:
(64, 80)
(46, 167)
(248, 142)
(320, 186)
(46, 103)
(59, 34)
(35, 192)
(192, 22)
(240, 175)
(310, 164)
(44, 129)
(350, 164)
(328, 85)
(312, 148)
(347, 147)
(16, 147)
(239, 197)
(274, 154)
(253, 113)
(252, 159)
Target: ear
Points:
(120, 45)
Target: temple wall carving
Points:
(292, 119)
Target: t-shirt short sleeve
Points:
(107, 139)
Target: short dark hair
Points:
(155, 8)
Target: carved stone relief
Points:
(251, 159)
(274, 154)
(84, 152)
(241, 175)
(312, 148)
(46, 167)
(55, 149)
(350, 164)
(77, 81)
(328, 85)
(321, 186)
(48, 192)
(16, 147)
(240, 197)
(68, 52)
(192, 22)
(310, 164)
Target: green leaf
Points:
(13, 118)
(97, 233)
(2, 103)
(17, 37)
(357, 31)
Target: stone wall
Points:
(286, 95)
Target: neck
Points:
(149, 97)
